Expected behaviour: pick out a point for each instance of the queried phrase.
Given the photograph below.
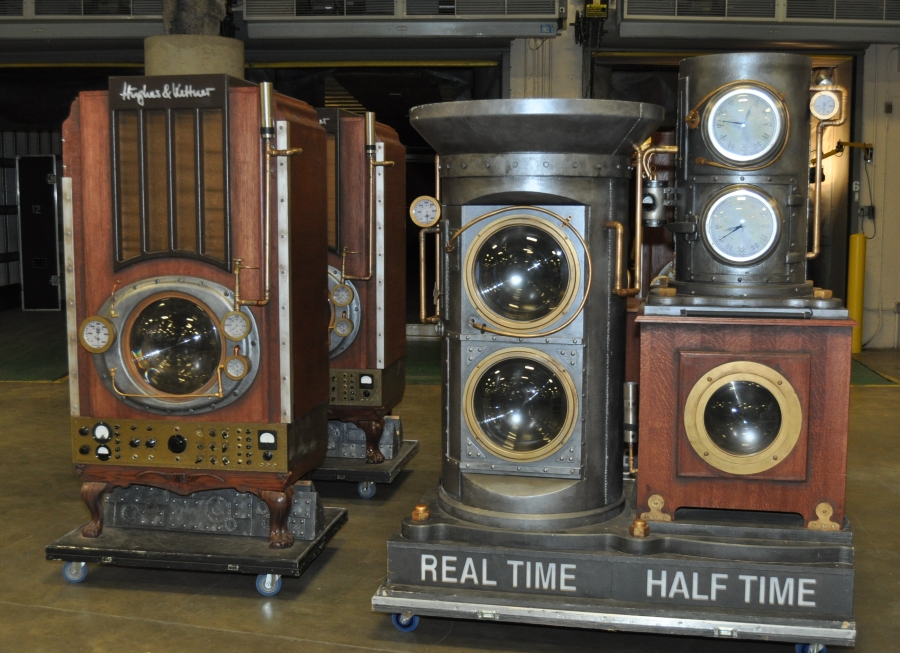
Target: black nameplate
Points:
(747, 586)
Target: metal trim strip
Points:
(282, 140)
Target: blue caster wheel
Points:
(405, 623)
(366, 489)
(809, 648)
(268, 584)
(75, 572)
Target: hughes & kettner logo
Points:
(131, 93)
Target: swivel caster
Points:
(268, 584)
(406, 622)
(75, 572)
(366, 489)
(809, 648)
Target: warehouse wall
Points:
(547, 68)
(881, 85)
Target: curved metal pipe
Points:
(820, 132)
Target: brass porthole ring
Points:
(561, 377)
(783, 443)
(568, 296)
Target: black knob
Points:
(84, 449)
(134, 444)
(225, 460)
(212, 460)
(150, 444)
(212, 446)
(199, 459)
(134, 427)
(84, 430)
(268, 455)
(177, 444)
(366, 393)
(224, 447)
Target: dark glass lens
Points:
(521, 273)
(742, 418)
(175, 346)
(520, 405)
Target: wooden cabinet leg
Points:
(92, 495)
(373, 431)
(280, 536)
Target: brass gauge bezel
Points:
(571, 291)
(784, 393)
(565, 381)
(243, 317)
(348, 289)
(343, 321)
(736, 160)
(105, 322)
(412, 214)
(760, 195)
(825, 116)
(242, 359)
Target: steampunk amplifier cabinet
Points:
(196, 305)
(366, 177)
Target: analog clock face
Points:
(741, 226)
(425, 211)
(343, 327)
(236, 326)
(824, 105)
(236, 367)
(745, 124)
(341, 295)
(97, 334)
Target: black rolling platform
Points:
(357, 470)
(133, 547)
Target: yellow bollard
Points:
(856, 284)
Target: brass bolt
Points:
(420, 513)
(639, 528)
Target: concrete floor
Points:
(327, 609)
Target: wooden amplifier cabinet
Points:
(744, 414)
(367, 260)
(194, 370)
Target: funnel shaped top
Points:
(562, 126)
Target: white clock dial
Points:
(341, 295)
(236, 326)
(101, 432)
(824, 105)
(97, 334)
(236, 367)
(425, 211)
(741, 225)
(343, 327)
(745, 124)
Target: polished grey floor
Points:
(120, 610)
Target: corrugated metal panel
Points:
(751, 8)
(810, 8)
(257, 8)
(892, 10)
(480, 7)
(147, 7)
(11, 7)
(57, 8)
(422, 7)
(651, 7)
(370, 7)
(96, 7)
(701, 8)
(860, 10)
(518, 7)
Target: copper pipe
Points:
(423, 312)
(620, 252)
(631, 468)
(371, 268)
(218, 395)
(650, 152)
(437, 178)
(820, 132)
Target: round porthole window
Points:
(743, 417)
(522, 273)
(520, 404)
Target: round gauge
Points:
(103, 453)
(425, 211)
(236, 326)
(824, 105)
(101, 432)
(97, 334)
(343, 327)
(741, 225)
(341, 295)
(745, 124)
(236, 367)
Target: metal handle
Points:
(218, 395)
(820, 131)
(423, 311)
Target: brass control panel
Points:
(228, 446)
(356, 387)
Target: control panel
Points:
(198, 445)
(356, 387)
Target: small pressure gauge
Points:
(825, 105)
(341, 295)
(101, 432)
(343, 327)
(425, 211)
(236, 326)
(97, 334)
(237, 367)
